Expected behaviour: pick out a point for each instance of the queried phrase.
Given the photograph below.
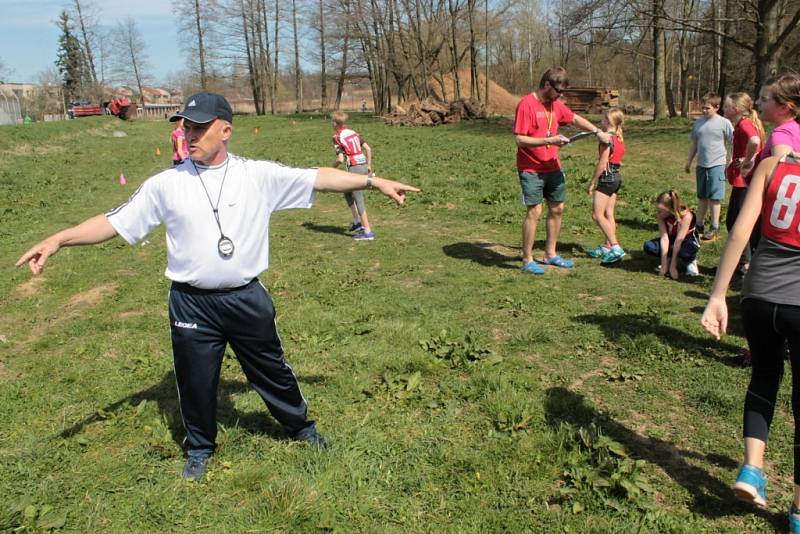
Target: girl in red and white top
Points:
(605, 183)
(677, 239)
(771, 314)
(748, 138)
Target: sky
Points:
(29, 36)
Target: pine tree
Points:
(70, 62)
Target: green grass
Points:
(459, 394)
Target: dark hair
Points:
(785, 89)
(556, 76)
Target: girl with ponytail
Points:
(677, 238)
(748, 138)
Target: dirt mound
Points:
(432, 112)
(500, 100)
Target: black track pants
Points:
(202, 323)
(768, 328)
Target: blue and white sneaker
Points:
(751, 486)
(597, 252)
(356, 226)
(794, 520)
(613, 256)
(365, 236)
(532, 268)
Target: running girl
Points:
(770, 312)
(677, 236)
(606, 182)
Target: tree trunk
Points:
(250, 64)
(298, 83)
(659, 63)
(486, 48)
(274, 92)
(323, 76)
(201, 48)
(86, 44)
(343, 70)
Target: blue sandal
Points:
(532, 268)
(558, 261)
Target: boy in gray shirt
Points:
(712, 135)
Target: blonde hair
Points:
(339, 118)
(671, 201)
(616, 117)
(743, 104)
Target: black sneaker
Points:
(310, 435)
(195, 467)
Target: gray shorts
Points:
(357, 197)
(543, 185)
(710, 182)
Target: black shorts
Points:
(609, 183)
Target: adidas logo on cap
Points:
(191, 104)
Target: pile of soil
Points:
(500, 101)
(432, 112)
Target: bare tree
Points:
(298, 75)
(197, 20)
(323, 77)
(86, 14)
(130, 62)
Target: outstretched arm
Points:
(715, 316)
(91, 231)
(333, 180)
(584, 124)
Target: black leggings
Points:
(768, 328)
(734, 207)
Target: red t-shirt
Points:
(742, 133)
(617, 150)
(532, 119)
(780, 213)
(349, 143)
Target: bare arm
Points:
(750, 153)
(781, 150)
(525, 141)
(338, 161)
(692, 152)
(715, 316)
(683, 231)
(91, 231)
(664, 243)
(584, 124)
(333, 180)
(602, 164)
(368, 152)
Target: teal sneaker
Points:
(613, 255)
(751, 486)
(598, 252)
(794, 520)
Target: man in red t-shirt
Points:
(536, 123)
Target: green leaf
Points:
(51, 520)
(414, 381)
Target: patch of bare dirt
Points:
(29, 288)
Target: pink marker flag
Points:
(122, 180)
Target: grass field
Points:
(459, 394)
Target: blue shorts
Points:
(710, 182)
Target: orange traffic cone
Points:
(122, 180)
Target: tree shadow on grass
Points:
(482, 253)
(638, 261)
(711, 497)
(630, 327)
(164, 396)
(325, 228)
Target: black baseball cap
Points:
(205, 107)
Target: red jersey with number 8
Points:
(349, 142)
(780, 214)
